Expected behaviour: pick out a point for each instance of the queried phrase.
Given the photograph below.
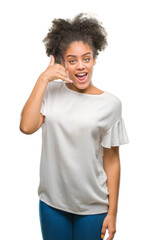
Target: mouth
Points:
(81, 77)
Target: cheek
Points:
(71, 70)
(90, 69)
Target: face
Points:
(79, 63)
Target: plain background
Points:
(121, 69)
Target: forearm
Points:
(113, 181)
(113, 187)
(31, 112)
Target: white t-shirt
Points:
(77, 126)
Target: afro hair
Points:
(82, 28)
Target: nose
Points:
(80, 65)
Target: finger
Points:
(61, 68)
(111, 235)
(102, 236)
(64, 78)
(103, 232)
(52, 60)
(61, 72)
(66, 72)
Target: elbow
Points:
(25, 130)
(28, 127)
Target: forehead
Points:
(78, 48)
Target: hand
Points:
(55, 71)
(110, 224)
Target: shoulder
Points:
(113, 106)
(51, 89)
(113, 97)
(53, 86)
(113, 100)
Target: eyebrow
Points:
(76, 56)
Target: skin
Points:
(82, 62)
(79, 58)
(111, 164)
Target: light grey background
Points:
(121, 69)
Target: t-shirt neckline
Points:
(79, 93)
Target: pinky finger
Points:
(65, 79)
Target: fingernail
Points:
(71, 81)
(102, 236)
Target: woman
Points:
(82, 129)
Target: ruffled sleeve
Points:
(116, 135)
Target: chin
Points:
(82, 85)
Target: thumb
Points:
(103, 232)
(52, 60)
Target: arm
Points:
(111, 164)
(31, 118)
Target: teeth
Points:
(81, 74)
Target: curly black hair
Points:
(82, 28)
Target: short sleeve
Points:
(43, 109)
(116, 135)
(50, 92)
(43, 106)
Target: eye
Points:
(87, 59)
(72, 61)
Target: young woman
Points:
(82, 129)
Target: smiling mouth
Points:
(81, 77)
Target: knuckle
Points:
(57, 75)
(57, 71)
(104, 225)
(58, 66)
